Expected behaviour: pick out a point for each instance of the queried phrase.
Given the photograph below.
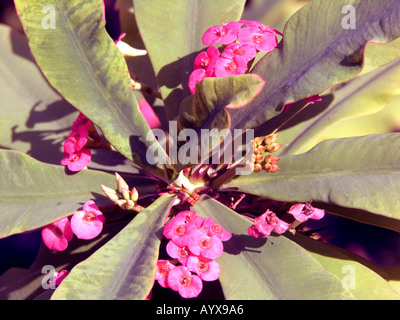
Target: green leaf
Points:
(81, 61)
(33, 194)
(358, 176)
(316, 53)
(206, 108)
(123, 268)
(364, 95)
(254, 269)
(172, 33)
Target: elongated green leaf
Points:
(33, 194)
(359, 173)
(172, 32)
(124, 268)
(362, 96)
(317, 52)
(254, 269)
(71, 46)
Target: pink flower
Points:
(225, 34)
(204, 245)
(266, 223)
(81, 121)
(246, 51)
(190, 216)
(196, 76)
(162, 270)
(178, 230)
(78, 160)
(228, 67)
(57, 234)
(313, 99)
(87, 224)
(76, 140)
(263, 41)
(252, 230)
(261, 27)
(213, 228)
(302, 212)
(206, 269)
(182, 280)
(177, 252)
(207, 59)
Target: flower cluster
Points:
(241, 40)
(268, 222)
(262, 145)
(76, 156)
(195, 242)
(85, 224)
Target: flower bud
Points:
(110, 193)
(134, 195)
(121, 184)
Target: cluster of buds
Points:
(124, 198)
(262, 145)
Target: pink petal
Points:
(195, 77)
(176, 252)
(78, 160)
(85, 225)
(317, 214)
(246, 51)
(214, 228)
(57, 234)
(162, 270)
(206, 269)
(228, 67)
(193, 290)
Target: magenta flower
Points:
(81, 121)
(76, 140)
(225, 34)
(206, 60)
(263, 41)
(78, 160)
(206, 269)
(177, 252)
(204, 245)
(196, 76)
(266, 223)
(260, 26)
(182, 280)
(302, 212)
(213, 228)
(162, 270)
(57, 234)
(228, 67)
(178, 230)
(88, 223)
(246, 51)
(191, 217)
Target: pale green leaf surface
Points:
(358, 173)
